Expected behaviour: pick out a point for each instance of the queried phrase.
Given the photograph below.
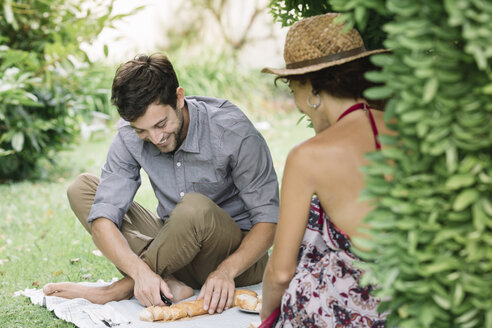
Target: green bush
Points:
(46, 81)
(432, 188)
(218, 75)
(366, 15)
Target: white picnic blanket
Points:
(85, 314)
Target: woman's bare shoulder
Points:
(300, 155)
(318, 152)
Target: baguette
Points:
(163, 313)
(239, 292)
(147, 314)
(154, 313)
(260, 304)
(194, 308)
(177, 312)
(246, 301)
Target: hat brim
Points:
(317, 67)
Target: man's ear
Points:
(179, 97)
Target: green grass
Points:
(39, 235)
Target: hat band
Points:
(328, 58)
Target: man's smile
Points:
(163, 141)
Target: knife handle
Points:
(166, 300)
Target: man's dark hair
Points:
(343, 81)
(143, 81)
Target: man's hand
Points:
(148, 286)
(218, 291)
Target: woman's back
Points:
(335, 157)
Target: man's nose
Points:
(155, 136)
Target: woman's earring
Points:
(313, 106)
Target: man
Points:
(212, 174)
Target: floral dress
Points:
(325, 291)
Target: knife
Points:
(166, 300)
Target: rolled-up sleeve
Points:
(255, 178)
(120, 180)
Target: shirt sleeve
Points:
(255, 178)
(120, 180)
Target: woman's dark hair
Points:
(343, 81)
(143, 81)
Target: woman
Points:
(310, 274)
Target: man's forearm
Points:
(114, 246)
(251, 249)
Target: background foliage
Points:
(46, 79)
(366, 16)
(432, 188)
(41, 241)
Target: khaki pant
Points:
(195, 239)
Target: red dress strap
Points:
(271, 319)
(365, 107)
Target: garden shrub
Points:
(431, 245)
(47, 81)
(218, 75)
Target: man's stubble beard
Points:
(177, 134)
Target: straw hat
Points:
(317, 42)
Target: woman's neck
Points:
(333, 107)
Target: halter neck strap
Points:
(366, 108)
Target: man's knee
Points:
(194, 208)
(82, 183)
(192, 203)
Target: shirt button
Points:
(178, 164)
(181, 194)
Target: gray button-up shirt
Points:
(222, 157)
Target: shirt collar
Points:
(190, 143)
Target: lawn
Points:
(41, 241)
